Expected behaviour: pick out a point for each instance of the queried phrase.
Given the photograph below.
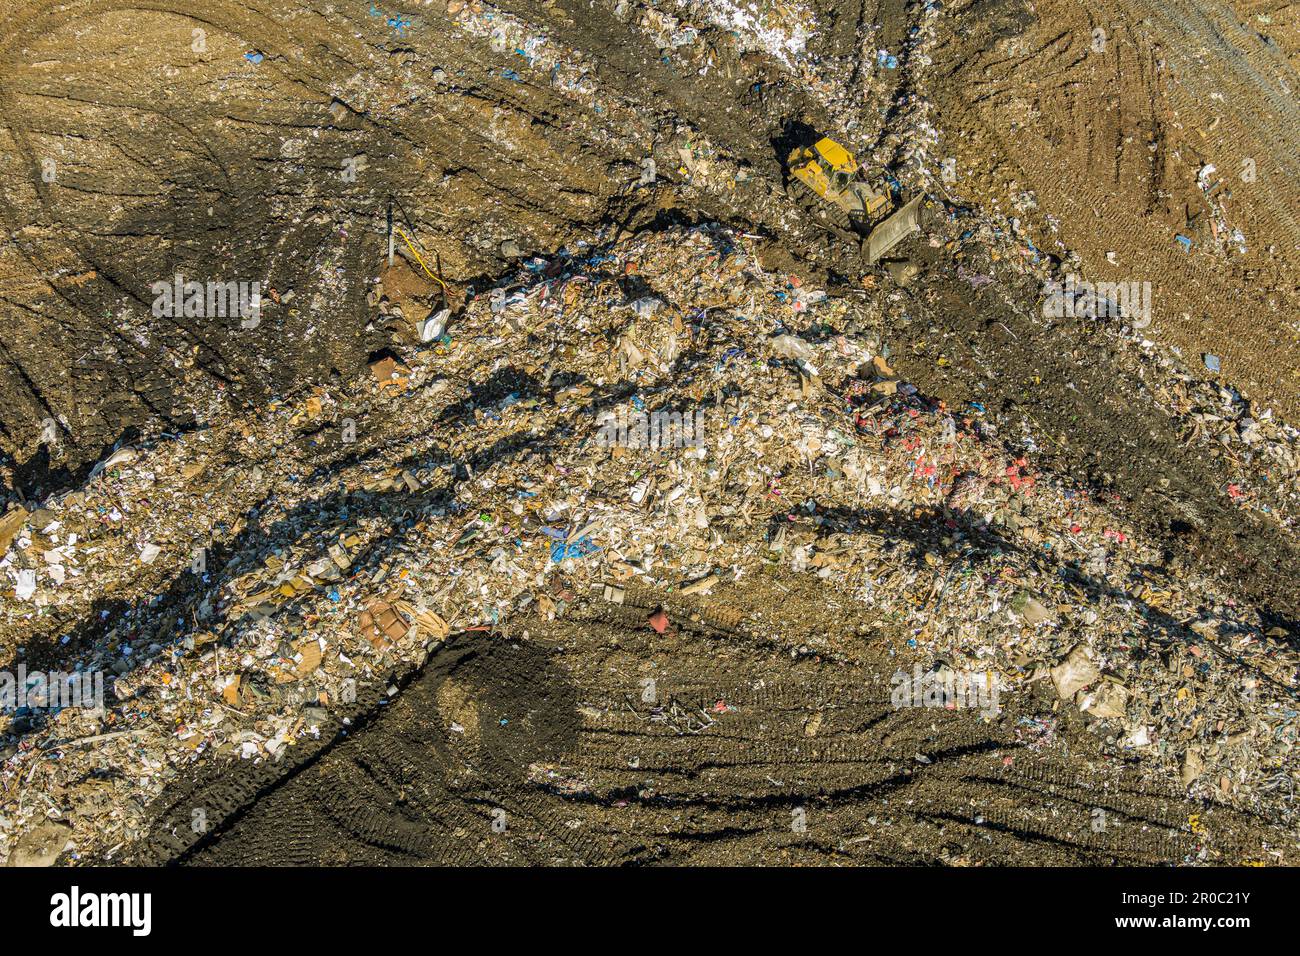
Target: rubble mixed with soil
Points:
(411, 573)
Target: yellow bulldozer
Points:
(827, 182)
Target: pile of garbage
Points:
(662, 411)
(1262, 450)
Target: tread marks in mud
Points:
(1118, 135)
(230, 196)
(89, 234)
(222, 791)
(805, 761)
(416, 779)
(758, 756)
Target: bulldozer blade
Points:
(893, 231)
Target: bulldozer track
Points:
(824, 212)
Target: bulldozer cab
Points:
(838, 159)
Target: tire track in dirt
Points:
(187, 171)
(785, 761)
(1109, 114)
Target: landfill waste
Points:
(821, 459)
(570, 465)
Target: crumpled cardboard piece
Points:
(1110, 700)
(1075, 673)
(10, 525)
(381, 625)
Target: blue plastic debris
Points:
(727, 356)
(577, 549)
(1212, 362)
(1185, 242)
(254, 57)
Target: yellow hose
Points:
(445, 291)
